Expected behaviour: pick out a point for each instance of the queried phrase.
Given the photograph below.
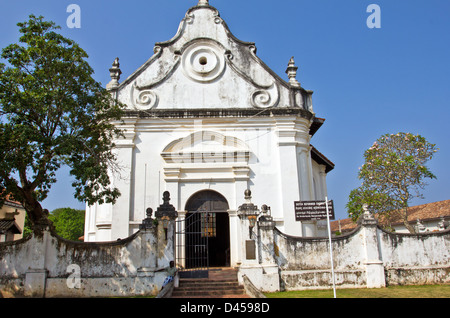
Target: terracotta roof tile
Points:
(344, 225)
(423, 212)
(9, 225)
(427, 211)
(10, 199)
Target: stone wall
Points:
(416, 259)
(46, 265)
(305, 263)
(367, 257)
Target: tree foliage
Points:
(68, 223)
(53, 113)
(394, 172)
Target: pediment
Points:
(205, 66)
(206, 146)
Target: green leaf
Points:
(52, 112)
(394, 172)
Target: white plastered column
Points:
(289, 183)
(305, 177)
(122, 180)
(295, 169)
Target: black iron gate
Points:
(192, 244)
(199, 241)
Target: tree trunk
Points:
(37, 215)
(408, 226)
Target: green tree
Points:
(68, 223)
(393, 174)
(53, 113)
(27, 227)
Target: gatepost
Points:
(248, 215)
(375, 277)
(166, 216)
(36, 275)
(258, 262)
(157, 242)
(149, 241)
(266, 226)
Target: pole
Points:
(331, 248)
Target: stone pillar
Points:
(248, 214)
(35, 283)
(420, 228)
(157, 244)
(149, 240)
(270, 278)
(166, 215)
(374, 265)
(36, 275)
(250, 248)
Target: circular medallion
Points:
(203, 62)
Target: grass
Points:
(423, 291)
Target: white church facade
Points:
(206, 120)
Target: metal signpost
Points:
(318, 210)
(331, 248)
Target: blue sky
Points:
(366, 82)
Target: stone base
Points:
(263, 277)
(375, 274)
(35, 281)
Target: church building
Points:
(206, 119)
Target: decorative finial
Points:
(291, 71)
(203, 3)
(166, 209)
(367, 213)
(166, 197)
(420, 226)
(266, 213)
(147, 223)
(149, 213)
(115, 73)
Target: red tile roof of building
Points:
(423, 212)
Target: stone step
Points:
(220, 283)
(237, 289)
(212, 288)
(207, 282)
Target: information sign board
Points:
(313, 210)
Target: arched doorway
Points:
(208, 210)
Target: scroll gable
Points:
(204, 66)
